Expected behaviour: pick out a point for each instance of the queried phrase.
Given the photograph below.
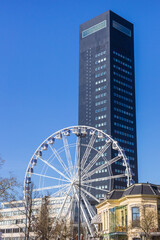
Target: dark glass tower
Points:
(107, 83)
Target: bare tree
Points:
(74, 230)
(65, 230)
(148, 221)
(48, 227)
(8, 186)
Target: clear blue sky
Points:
(39, 45)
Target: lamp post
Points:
(28, 182)
(80, 135)
(79, 174)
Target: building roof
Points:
(136, 189)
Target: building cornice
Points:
(118, 201)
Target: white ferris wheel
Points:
(54, 169)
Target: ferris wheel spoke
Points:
(69, 208)
(66, 215)
(95, 159)
(70, 212)
(68, 155)
(90, 195)
(95, 187)
(51, 187)
(84, 214)
(60, 160)
(118, 176)
(52, 155)
(88, 150)
(41, 175)
(55, 169)
(104, 178)
(88, 206)
(73, 207)
(64, 201)
(106, 164)
(61, 191)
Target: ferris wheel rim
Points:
(107, 136)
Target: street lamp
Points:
(80, 135)
(28, 182)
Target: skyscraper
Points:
(107, 83)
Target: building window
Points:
(101, 102)
(94, 29)
(123, 63)
(99, 195)
(100, 67)
(126, 142)
(135, 213)
(100, 74)
(122, 69)
(123, 90)
(100, 88)
(122, 76)
(122, 97)
(123, 133)
(15, 230)
(100, 110)
(122, 56)
(100, 117)
(122, 214)
(123, 104)
(121, 28)
(119, 171)
(100, 81)
(100, 95)
(123, 126)
(135, 216)
(122, 111)
(126, 218)
(123, 119)
(101, 124)
(100, 54)
(100, 60)
(122, 83)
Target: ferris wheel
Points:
(56, 164)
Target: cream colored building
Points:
(125, 213)
(13, 217)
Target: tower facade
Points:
(107, 84)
